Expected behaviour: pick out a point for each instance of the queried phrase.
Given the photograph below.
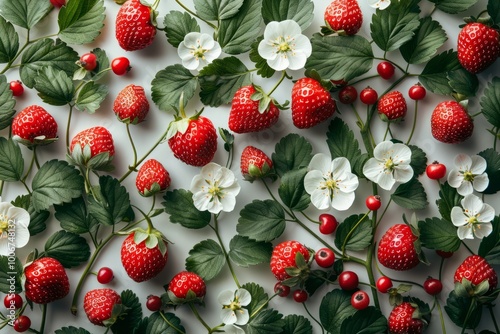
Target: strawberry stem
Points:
(44, 317)
(383, 212)
(493, 318)
(313, 318)
(229, 265)
(196, 15)
(197, 315)
(170, 324)
(309, 218)
(283, 75)
(134, 150)
(68, 125)
(414, 122)
(441, 318)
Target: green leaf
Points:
(237, 33)
(463, 82)
(170, 84)
(492, 158)
(418, 160)
(463, 311)
(220, 80)
(102, 64)
(133, 313)
(215, 10)
(297, 324)
(261, 220)
(38, 219)
(178, 25)
(266, 322)
(247, 252)
(340, 58)
(90, 97)
(354, 234)
(263, 69)
(291, 152)
(410, 195)
(428, 38)
(439, 234)
(10, 274)
(490, 102)
(69, 248)
(25, 13)
(291, 190)
(12, 162)
(317, 278)
(7, 104)
(434, 76)
(206, 259)
(448, 198)
(55, 182)
(74, 217)
(9, 41)
(493, 9)
(454, 6)
(367, 321)
(335, 307)
(490, 245)
(54, 86)
(157, 325)
(259, 296)
(80, 22)
(72, 330)
(179, 205)
(46, 52)
(301, 11)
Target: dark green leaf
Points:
(12, 162)
(90, 97)
(261, 220)
(170, 84)
(494, 10)
(102, 64)
(266, 322)
(206, 259)
(297, 324)
(301, 11)
(454, 6)
(263, 69)
(317, 278)
(55, 182)
(439, 234)
(133, 315)
(7, 104)
(334, 309)
(429, 37)
(69, 248)
(214, 10)
(74, 217)
(418, 160)
(291, 152)
(367, 321)
(157, 325)
(340, 58)
(410, 195)
(434, 77)
(38, 219)
(492, 158)
(179, 205)
(259, 296)
(490, 102)
(9, 41)
(247, 252)
(490, 245)
(355, 233)
(178, 25)
(10, 274)
(221, 79)
(448, 198)
(72, 330)
(54, 86)
(463, 82)
(25, 13)
(80, 22)
(291, 190)
(461, 308)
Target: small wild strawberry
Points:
(478, 46)
(392, 106)
(396, 248)
(34, 126)
(284, 256)
(450, 123)
(131, 105)
(344, 15)
(134, 27)
(46, 281)
(98, 305)
(186, 287)
(152, 178)
(402, 321)
(254, 163)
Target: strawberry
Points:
(89, 146)
(344, 16)
(34, 125)
(284, 256)
(46, 281)
(98, 304)
(143, 255)
(396, 249)
(392, 106)
(246, 116)
(135, 25)
(311, 103)
(131, 105)
(476, 270)
(478, 46)
(254, 164)
(152, 178)
(402, 321)
(450, 123)
(186, 286)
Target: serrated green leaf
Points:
(439, 234)
(418, 160)
(178, 25)
(463, 82)
(80, 22)
(292, 191)
(133, 313)
(7, 104)
(158, 325)
(490, 102)
(434, 77)
(259, 296)
(25, 13)
(291, 152)
(220, 80)
(266, 322)
(74, 217)
(367, 321)
(237, 33)
(263, 69)
(490, 245)
(448, 198)
(428, 38)
(37, 219)
(170, 84)
(261, 220)
(410, 195)
(493, 9)
(301, 11)
(12, 162)
(179, 205)
(71, 330)
(463, 311)
(55, 182)
(54, 86)
(454, 6)
(90, 97)
(340, 58)
(297, 324)
(206, 259)
(9, 41)
(335, 307)
(10, 269)
(492, 158)
(69, 248)
(317, 279)
(246, 252)
(352, 233)
(214, 10)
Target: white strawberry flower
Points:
(390, 164)
(215, 189)
(468, 174)
(198, 50)
(284, 46)
(14, 231)
(379, 4)
(232, 303)
(232, 329)
(330, 183)
(473, 218)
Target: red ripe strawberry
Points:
(401, 320)
(141, 262)
(97, 138)
(98, 305)
(197, 144)
(450, 123)
(396, 248)
(134, 25)
(254, 164)
(392, 106)
(34, 125)
(344, 15)
(152, 178)
(131, 105)
(311, 103)
(478, 46)
(283, 257)
(186, 286)
(476, 270)
(245, 116)
(46, 281)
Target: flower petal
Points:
(242, 316)
(472, 203)
(202, 200)
(225, 297)
(198, 184)
(313, 181)
(279, 63)
(486, 214)
(4, 247)
(22, 237)
(372, 169)
(215, 206)
(462, 162)
(321, 162)
(403, 173)
(478, 165)
(342, 201)
(19, 215)
(206, 41)
(465, 188)
(455, 178)
(243, 296)
(228, 202)
(386, 181)
(289, 28)
(296, 60)
(480, 182)
(401, 154)
(340, 166)
(228, 316)
(213, 53)
(303, 44)
(465, 232)
(482, 230)
(210, 170)
(272, 31)
(231, 329)
(320, 198)
(458, 218)
(349, 183)
(380, 151)
(267, 50)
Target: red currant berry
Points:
(373, 202)
(327, 223)
(360, 300)
(385, 70)
(120, 65)
(105, 275)
(22, 324)
(153, 303)
(384, 284)
(16, 87)
(281, 289)
(435, 171)
(348, 280)
(348, 95)
(417, 92)
(88, 61)
(300, 295)
(443, 254)
(58, 3)
(433, 286)
(13, 301)
(325, 257)
(368, 96)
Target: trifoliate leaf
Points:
(301, 11)
(172, 83)
(463, 82)
(12, 162)
(428, 38)
(215, 10)
(7, 104)
(68, 248)
(292, 191)
(90, 97)
(247, 252)
(74, 217)
(54, 86)
(355, 233)
(335, 307)
(439, 234)
(465, 312)
(259, 297)
(9, 41)
(80, 22)
(291, 152)
(261, 220)
(268, 321)
(132, 315)
(38, 219)
(297, 324)
(179, 205)
(178, 25)
(418, 160)
(490, 102)
(156, 324)
(434, 77)
(454, 6)
(492, 158)
(9, 268)
(410, 195)
(448, 198)
(206, 259)
(24, 13)
(367, 321)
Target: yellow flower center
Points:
(389, 164)
(4, 224)
(468, 176)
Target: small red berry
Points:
(433, 286)
(300, 295)
(348, 95)
(373, 202)
(16, 87)
(384, 283)
(120, 65)
(105, 275)
(22, 324)
(88, 61)
(13, 301)
(327, 223)
(153, 303)
(348, 280)
(443, 254)
(360, 300)
(385, 69)
(325, 257)
(435, 171)
(417, 92)
(281, 289)
(368, 96)
(58, 3)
